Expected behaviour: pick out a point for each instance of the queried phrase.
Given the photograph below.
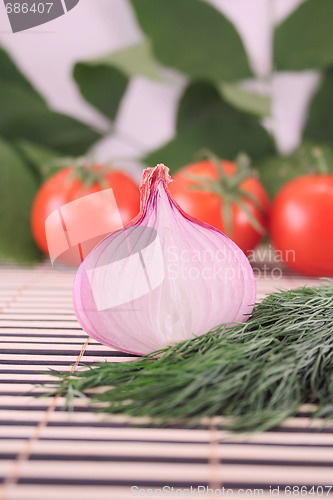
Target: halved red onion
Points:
(164, 278)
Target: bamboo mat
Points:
(48, 453)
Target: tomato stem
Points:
(321, 163)
(229, 188)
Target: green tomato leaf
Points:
(11, 75)
(50, 129)
(244, 100)
(319, 123)
(206, 121)
(18, 186)
(42, 160)
(275, 171)
(133, 61)
(25, 115)
(101, 85)
(15, 100)
(194, 38)
(305, 39)
(103, 81)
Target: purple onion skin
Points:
(175, 309)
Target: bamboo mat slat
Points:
(49, 453)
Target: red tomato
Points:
(207, 206)
(59, 190)
(302, 224)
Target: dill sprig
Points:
(255, 374)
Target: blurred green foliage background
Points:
(215, 111)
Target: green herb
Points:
(18, 186)
(256, 374)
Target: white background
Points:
(147, 116)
